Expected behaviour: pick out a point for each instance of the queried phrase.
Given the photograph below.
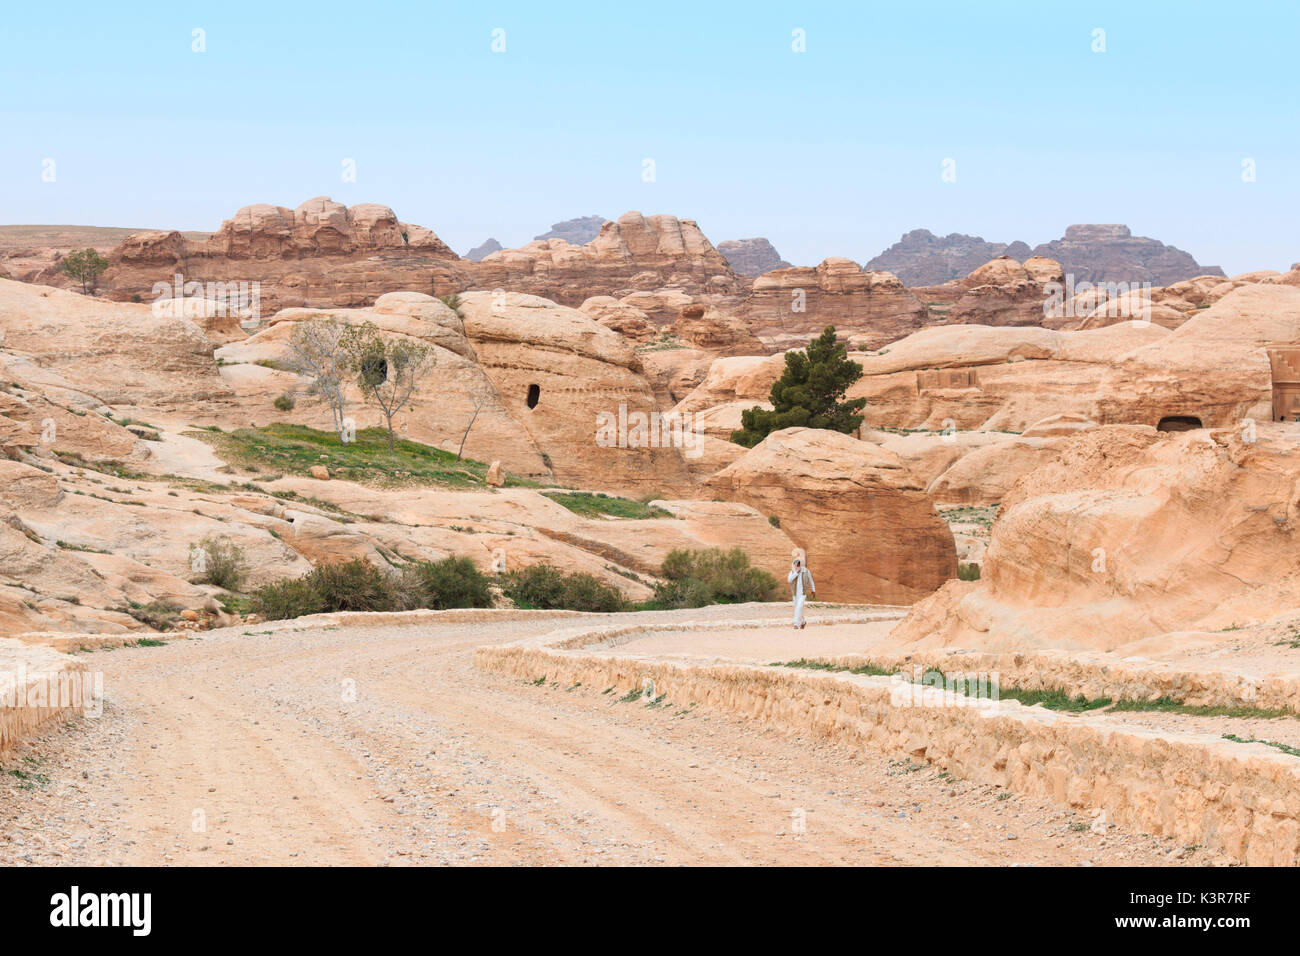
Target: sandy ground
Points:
(244, 747)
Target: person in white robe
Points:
(801, 588)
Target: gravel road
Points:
(385, 746)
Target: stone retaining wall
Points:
(1242, 799)
(37, 685)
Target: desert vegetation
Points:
(591, 504)
(369, 459)
(809, 393)
(711, 576)
(691, 578)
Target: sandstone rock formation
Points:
(1212, 370)
(1129, 533)
(636, 253)
(963, 377)
(1005, 292)
(320, 254)
(561, 375)
(85, 353)
(531, 376)
(789, 307)
(869, 530)
(625, 319)
(714, 331)
(981, 377)
(34, 253)
(751, 257)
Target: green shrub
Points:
(586, 592)
(355, 585)
(546, 587)
(160, 615)
(285, 402)
(968, 572)
(451, 582)
(219, 561)
(711, 576)
(540, 586)
(358, 585)
(287, 599)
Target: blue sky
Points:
(834, 151)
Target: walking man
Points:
(801, 586)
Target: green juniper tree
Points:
(809, 393)
(86, 266)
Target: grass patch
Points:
(1168, 705)
(866, 670)
(80, 547)
(29, 781)
(294, 449)
(591, 504)
(1054, 699)
(1285, 748)
(982, 515)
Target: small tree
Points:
(316, 352)
(480, 399)
(387, 370)
(809, 393)
(86, 266)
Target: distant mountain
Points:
(577, 231)
(1111, 253)
(1090, 253)
(487, 248)
(751, 257)
(921, 258)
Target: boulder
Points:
(576, 391)
(1128, 533)
(870, 532)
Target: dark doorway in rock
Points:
(1178, 423)
(374, 370)
(534, 395)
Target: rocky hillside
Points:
(1111, 253)
(487, 247)
(752, 257)
(1091, 253)
(578, 231)
(920, 258)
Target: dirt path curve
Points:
(386, 746)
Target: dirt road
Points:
(386, 746)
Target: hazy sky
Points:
(837, 150)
